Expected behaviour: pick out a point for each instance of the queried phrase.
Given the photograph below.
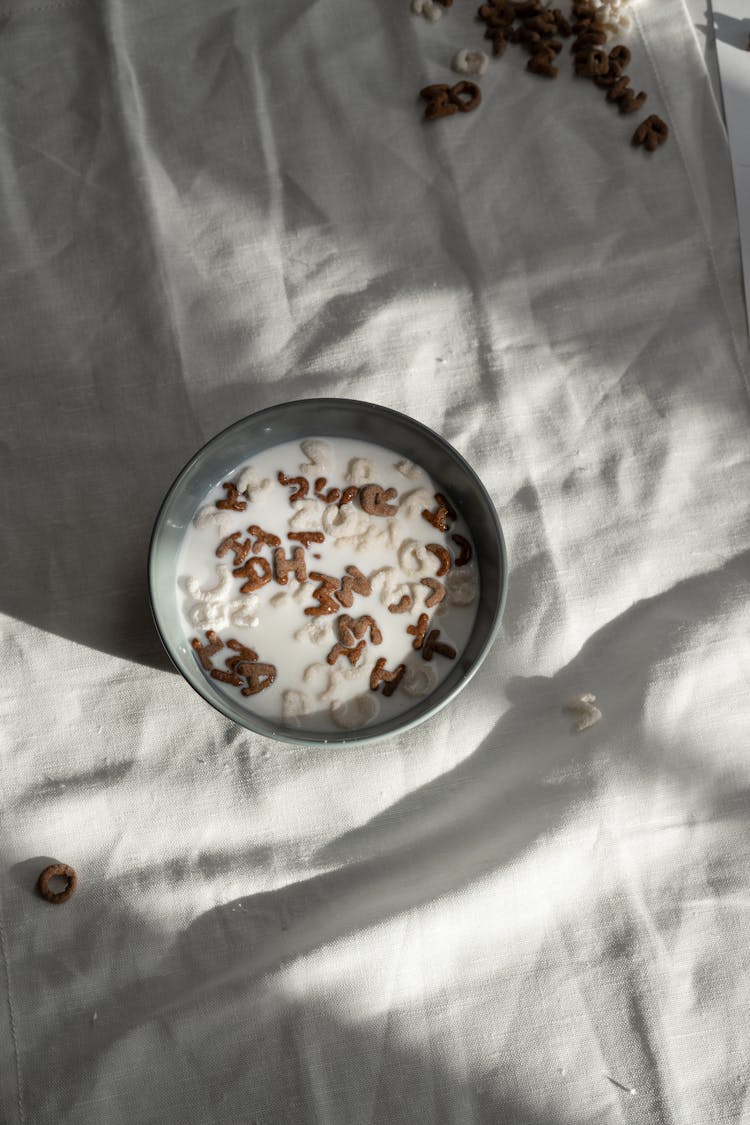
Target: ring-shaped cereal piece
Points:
(466, 95)
(63, 871)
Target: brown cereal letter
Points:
(205, 652)
(348, 495)
(442, 554)
(542, 65)
(351, 654)
(322, 594)
(353, 629)
(306, 537)
(419, 630)
(403, 605)
(232, 543)
(438, 591)
(257, 571)
(283, 565)
(329, 497)
(243, 653)
(353, 583)
(439, 517)
(390, 680)
(465, 545)
(651, 133)
(466, 95)
(231, 501)
(226, 677)
(593, 62)
(374, 500)
(302, 484)
(262, 537)
(432, 644)
(258, 676)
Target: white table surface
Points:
(212, 208)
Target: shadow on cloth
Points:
(526, 781)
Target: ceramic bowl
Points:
(327, 418)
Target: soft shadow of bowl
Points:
(327, 418)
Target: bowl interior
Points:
(327, 418)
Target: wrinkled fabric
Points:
(212, 208)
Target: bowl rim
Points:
(359, 737)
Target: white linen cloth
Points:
(213, 207)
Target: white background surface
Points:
(212, 208)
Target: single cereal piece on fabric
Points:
(651, 133)
(354, 582)
(389, 680)
(438, 103)
(544, 23)
(256, 571)
(57, 870)
(302, 486)
(627, 99)
(419, 631)
(465, 548)
(306, 537)
(231, 501)
(563, 27)
(438, 591)
(433, 644)
(619, 59)
(206, 652)
(444, 101)
(549, 48)
(524, 9)
(443, 555)
(351, 654)
(322, 594)
(583, 706)
(258, 676)
(499, 40)
(592, 62)
(373, 499)
(429, 9)
(466, 95)
(283, 566)
(262, 538)
(469, 62)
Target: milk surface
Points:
(389, 550)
